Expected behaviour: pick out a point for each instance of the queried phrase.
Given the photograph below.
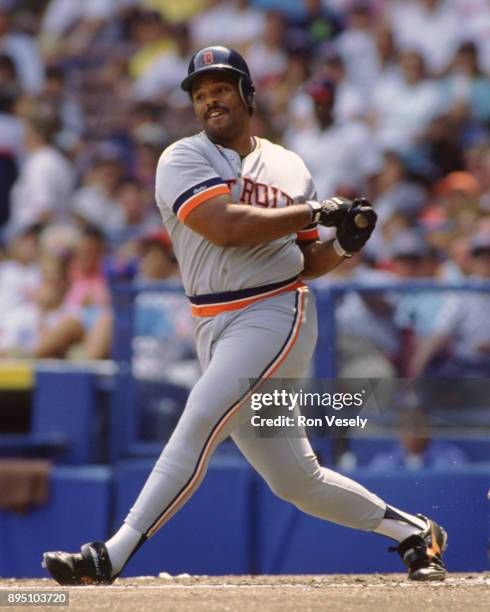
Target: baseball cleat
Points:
(91, 565)
(422, 553)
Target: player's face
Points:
(218, 106)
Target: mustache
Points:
(215, 108)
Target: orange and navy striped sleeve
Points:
(197, 194)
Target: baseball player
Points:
(242, 215)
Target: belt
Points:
(212, 304)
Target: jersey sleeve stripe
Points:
(196, 189)
(199, 198)
(310, 234)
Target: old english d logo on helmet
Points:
(226, 59)
(207, 58)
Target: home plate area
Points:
(376, 592)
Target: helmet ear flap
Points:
(246, 90)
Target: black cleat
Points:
(90, 566)
(422, 553)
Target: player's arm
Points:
(202, 200)
(227, 224)
(319, 258)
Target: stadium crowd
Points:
(389, 99)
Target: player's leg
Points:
(250, 344)
(239, 347)
(290, 467)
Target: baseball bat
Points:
(360, 220)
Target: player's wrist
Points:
(339, 249)
(315, 209)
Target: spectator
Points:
(62, 16)
(267, 58)
(350, 101)
(150, 35)
(231, 22)
(316, 25)
(19, 272)
(94, 202)
(138, 218)
(474, 16)
(357, 48)
(24, 52)
(416, 311)
(8, 73)
(457, 202)
(283, 100)
(162, 342)
(164, 74)
(175, 11)
(431, 27)
(458, 264)
(477, 162)
(163, 327)
(403, 108)
(416, 449)
(88, 291)
(467, 86)
(55, 94)
(394, 192)
(367, 340)
(438, 150)
(43, 326)
(459, 344)
(11, 141)
(69, 28)
(42, 191)
(342, 144)
(387, 64)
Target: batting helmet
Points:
(226, 59)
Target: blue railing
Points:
(123, 414)
(325, 365)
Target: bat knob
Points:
(361, 221)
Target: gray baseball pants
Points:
(274, 337)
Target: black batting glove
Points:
(356, 228)
(334, 211)
(329, 212)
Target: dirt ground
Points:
(342, 593)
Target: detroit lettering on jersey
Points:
(193, 170)
(260, 194)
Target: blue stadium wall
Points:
(234, 525)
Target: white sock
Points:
(400, 530)
(121, 545)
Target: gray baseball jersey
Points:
(193, 170)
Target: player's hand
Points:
(355, 228)
(334, 211)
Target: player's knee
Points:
(293, 490)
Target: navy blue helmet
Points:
(226, 59)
